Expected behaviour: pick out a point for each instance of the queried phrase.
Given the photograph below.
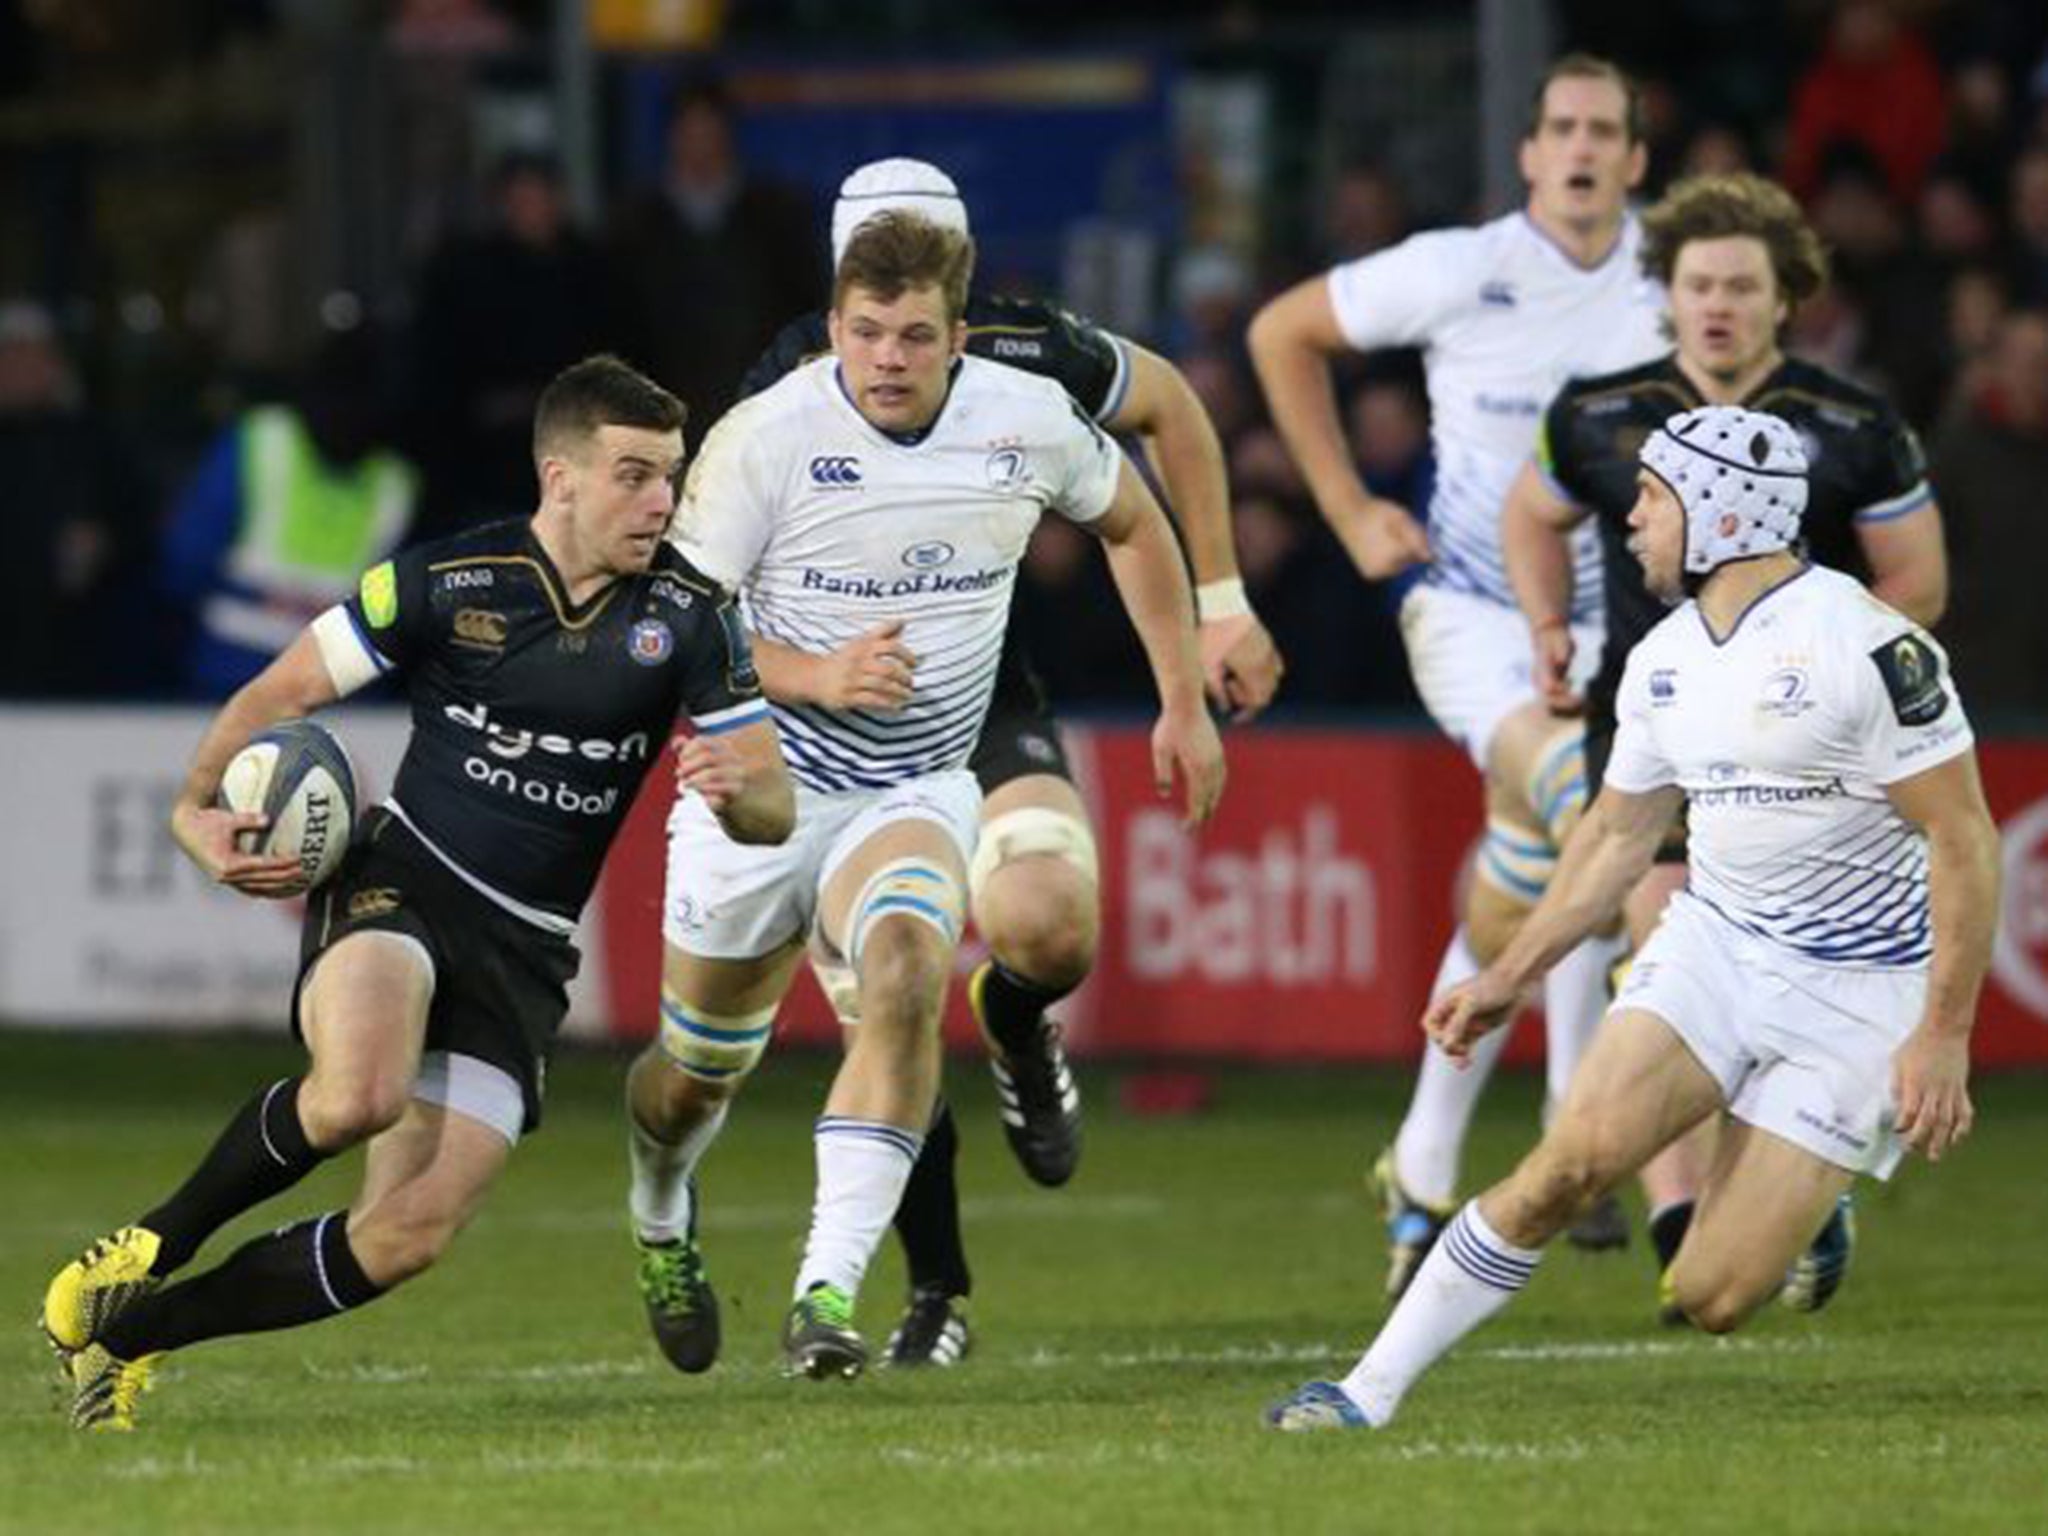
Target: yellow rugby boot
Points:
(98, 1286)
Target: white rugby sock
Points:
(660, 1195)
(1431, 1140)
(1469, 1275)
(1574, 1002)
(863, 1166)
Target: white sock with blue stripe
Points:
(1469, 1275)
(863, 1166)
(660, 1194)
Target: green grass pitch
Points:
(1130, 1330)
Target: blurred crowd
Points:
(1916, 136)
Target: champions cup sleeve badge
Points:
(650, 642)
(1912, 677)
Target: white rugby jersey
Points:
(1503, 317)
(1783, 737)
(828, 526)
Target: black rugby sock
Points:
(1667, 1230)
(928, 1217)
(262, 1152)
(299, 1274)
(1012, 1006)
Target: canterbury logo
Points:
(480, 627)
(835, 471)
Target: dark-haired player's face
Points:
(624, 493)
(1580, 162)
(895, 356)
(1657, 536)
(1725, 307)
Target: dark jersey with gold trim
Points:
(534, 719)
(1865, 467)
(1083, 359)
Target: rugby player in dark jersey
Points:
(1033, 885)
(1737, 258)
(546, 661)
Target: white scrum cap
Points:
(895, 186)
(1741, 477)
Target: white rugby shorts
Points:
(1800, 1049)
(731, 901)
(1471, 662)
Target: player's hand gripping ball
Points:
(297, 774)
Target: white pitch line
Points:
(1642, 1349)
(1273, 1352)
(1276, 1353)
(366, 1375)
(1486, 1450)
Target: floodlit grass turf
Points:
(1130, 1330)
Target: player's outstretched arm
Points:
(1605, 855)
(743, 778)
(1292, 341)
(872, 671)
(1241, 666)
(1534, 523)
(1145, 562)
(293, 685)
(1931, 1070)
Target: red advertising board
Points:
(1306, 921)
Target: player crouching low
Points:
(1817, 980)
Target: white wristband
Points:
(1221, 600)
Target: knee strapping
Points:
(1516, 860)
(914, 888)
(839, 984)
(1556, 786)
(716, 1048)
(1031, 830)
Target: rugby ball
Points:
(297, 774)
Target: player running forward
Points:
(1504, 314)
(1816, 981)
(436, 960)
(892, 481)
(1737, 258)
(1032, 885)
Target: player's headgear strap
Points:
(895, 186)
(1740, 476)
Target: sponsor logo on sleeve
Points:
(1912, 676)
(380, 595)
